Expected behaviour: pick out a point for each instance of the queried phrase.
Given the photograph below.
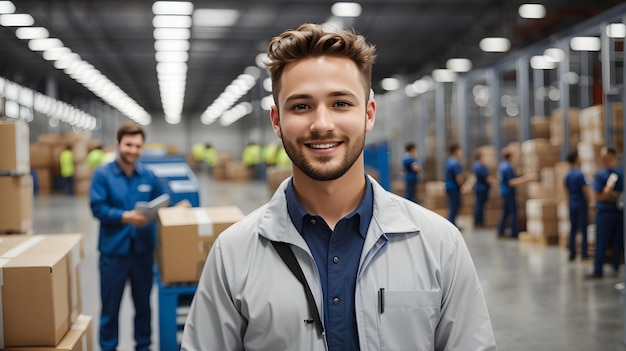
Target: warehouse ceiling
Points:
(413, 37)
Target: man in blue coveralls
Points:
(608, 185)
(508, 182)
(483, 183)
(127, 236)
(454, 180)
(578, 197)
(412, 170)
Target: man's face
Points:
(323, 116)
(130, 148)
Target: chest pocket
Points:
(409, 319)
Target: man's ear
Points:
(275, 119)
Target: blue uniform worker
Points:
(609, 216)
(127, 237)
(454, 179)
(508, 182)
(483, 183)
(578, 203)
(412, 169)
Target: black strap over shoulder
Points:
(286, 254)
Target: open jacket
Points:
(247, 299)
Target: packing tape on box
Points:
(205, 224)
(2, 263)
(19, 249)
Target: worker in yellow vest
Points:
(66, 161)
(95, 157)
(282, 159)
(251, 158)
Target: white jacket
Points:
(247, 299)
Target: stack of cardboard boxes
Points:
(16, 183)
(40, 294)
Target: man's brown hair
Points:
(130, 128)
(310, 40)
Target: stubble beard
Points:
(323, 171)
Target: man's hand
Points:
(135, 218)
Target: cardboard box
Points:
(538, 227)
(16, 205)
(40, 287)
(541, 209)
(78, 338)
(185, 236)
(40, 155)
(14, 143)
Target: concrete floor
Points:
(537, 299)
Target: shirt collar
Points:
(364, 209)
(139, 168)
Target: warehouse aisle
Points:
(537, 300)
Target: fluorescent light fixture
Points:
(346, 9)
(215, 17)
(495, 44)
(423, 84)
(459, 65)
(267, 102)
(172, 33)
(161, 21)
(554, 55)
(16, 20)
(26, 33)
(171, 45)
(172, 56)
(44, 44)
(172, 8)
(261, 59)
(333, 25)
(410, 91)
(540, 62)
(616, 30)
(532, 11)
(65, 61)
(390, 84)
(11, 109)
(444, 75)
(7, 7)
(267, 84)
(54, 54)
(585, 43)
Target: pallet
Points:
(525, 237)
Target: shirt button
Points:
(336, 301)
(313, 221)
(335, 259)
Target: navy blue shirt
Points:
(506, 173)
(407, 166)
(337, 254)
(599, 181)
(453, 168)
(574, 183)
(481, 173)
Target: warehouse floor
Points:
(537, 299)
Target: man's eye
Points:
(342, 104)
(300, 107)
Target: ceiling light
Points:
(44, 44)
(16, 20)
(267, 84)
(423, 84)
(444, 75)
(616, 30)
(171, 45)
(57, 53)
(540, 62)
(585, 43)
(261, 59)
(459, 65)
(410, 91)
(172, 8)
(215, 17)
(333, 25)
(7, 7)
(532, 11)
(390, 84)
(172, 33)
(267, 102)
(26, 33)
(495, 44)
(554, 55)
(346, 9)
(171, 21)
(172, 56)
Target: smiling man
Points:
(127, 236)
(334, 261)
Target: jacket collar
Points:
(388, 217)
